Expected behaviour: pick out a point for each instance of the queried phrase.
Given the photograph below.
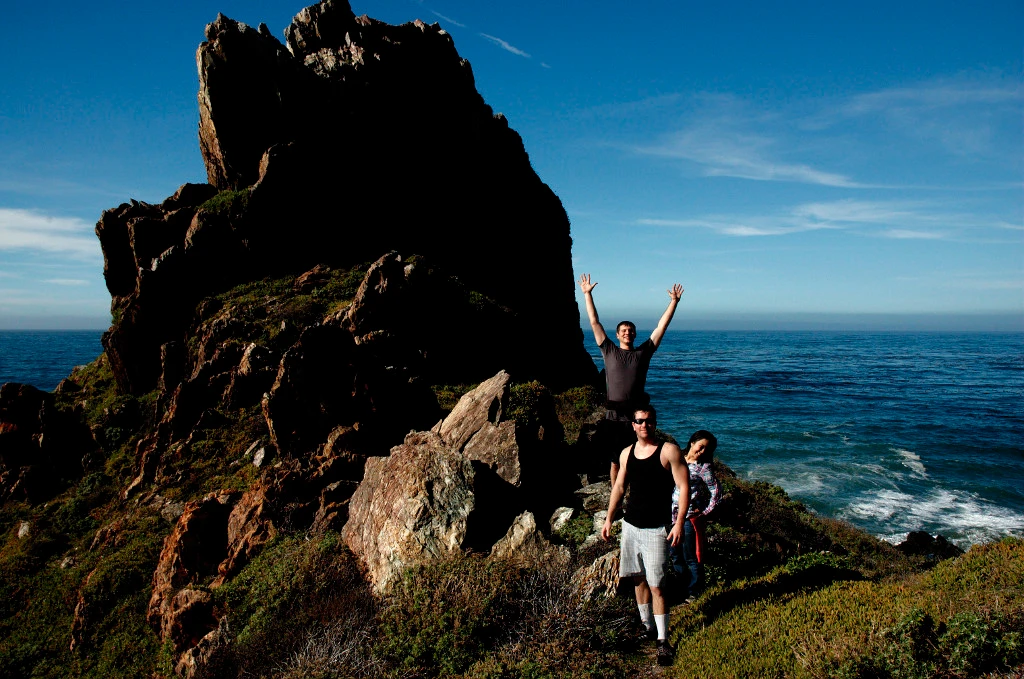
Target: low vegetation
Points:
(789, 593)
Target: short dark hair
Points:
(649, 409)
(631, 324)
(709, 449)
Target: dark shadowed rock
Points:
(933, 548)
(392, 101)
(41, 447)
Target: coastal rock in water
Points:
(932, 548)
(411, 507)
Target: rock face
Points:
(427, 168)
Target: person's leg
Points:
(643, 601)
(694, 567)
(665, 654)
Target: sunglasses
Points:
(644, 420)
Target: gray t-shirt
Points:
(626, 374)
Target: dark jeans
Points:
(683, 558)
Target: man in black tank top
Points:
(649, 468)
(625, 372)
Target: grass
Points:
(788, 623)
(44, 576)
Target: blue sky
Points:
(781, 160)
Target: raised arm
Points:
(674, 296)
(595, 323)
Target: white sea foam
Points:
(911, 460)
(963, 517)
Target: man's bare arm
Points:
(595, 323)
(681, 476)
(618, 490)
(675, 294)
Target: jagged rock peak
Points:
(316, 26)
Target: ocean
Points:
(892, 432)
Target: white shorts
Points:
(644, 552)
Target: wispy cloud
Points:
(31, 230)
(741, 226)
(729, 153)
(449, 20)
(964, 114)
(836, 141)
(505, 45)
(67, 281)
(857, 211)
(908, 234)
(901, 220)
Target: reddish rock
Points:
(193, 551)
(249, 528)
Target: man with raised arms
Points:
(649, 468)
(625, 369)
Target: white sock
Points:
(645, 614)
(662, 622)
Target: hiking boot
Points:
(665, 653)
(650, 633)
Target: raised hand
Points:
(585, 283)
(676, 293)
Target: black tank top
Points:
(650, 490)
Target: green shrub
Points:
(574, 406)
(227, 203)
(797, 622)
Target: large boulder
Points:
(459, 486)
(411, 507)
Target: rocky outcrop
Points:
(41, 447)
(438, 494)
(479, 427)
(411, 507)
(193, 551)
(599, 579)
(526, 545)
(392, 101)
